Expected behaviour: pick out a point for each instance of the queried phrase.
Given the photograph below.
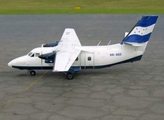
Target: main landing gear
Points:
(32, 72)
(70, 75)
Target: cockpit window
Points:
(31, 54)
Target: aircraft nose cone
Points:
(10, 64)
(13, 62)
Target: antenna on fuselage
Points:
(109, 42)
(98, 43)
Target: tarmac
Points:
(132, 91)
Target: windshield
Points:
(30, 54)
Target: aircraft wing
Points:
(66, 52)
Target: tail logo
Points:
(141, 32)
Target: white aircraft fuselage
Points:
(98, 57)
(68, 56)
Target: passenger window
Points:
(89, 58)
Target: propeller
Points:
(41, 54)
(48, 57)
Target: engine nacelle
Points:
(51, 44)
(48, 56)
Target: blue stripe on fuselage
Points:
(33, 67)
(82, 67)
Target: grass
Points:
(81, 6)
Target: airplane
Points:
(69, 56)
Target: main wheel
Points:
(32, 73)
(70, 76)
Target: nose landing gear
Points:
(32, 72)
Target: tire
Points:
(70, 76)
(32, 73)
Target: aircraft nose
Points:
(11, 63)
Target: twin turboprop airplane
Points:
(68, 56)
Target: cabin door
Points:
(87, 60)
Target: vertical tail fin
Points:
(141, 32)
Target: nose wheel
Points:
(32, 73)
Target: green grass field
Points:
(81, 6)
